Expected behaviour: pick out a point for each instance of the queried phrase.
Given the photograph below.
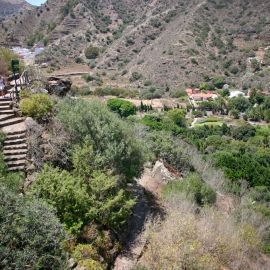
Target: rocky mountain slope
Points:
(10, 7)
(167, 44)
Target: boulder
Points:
(59, 87)
(161, 173)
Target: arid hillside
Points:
(167, 44)
(10, 7)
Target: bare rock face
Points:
(161, 173)
(58, 87)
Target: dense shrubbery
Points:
(37, 106)
(123, 107)
(81, 200)
(31, 235)
(110, 137)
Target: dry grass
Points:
(208, 240)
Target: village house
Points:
(198, 95)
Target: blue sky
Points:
(36, 2)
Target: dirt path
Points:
(145, 210)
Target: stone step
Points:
(4, 108)
(16, 169)
(14, 141)
(11, 122)
(6, 112)
(4, 98)
(15, 152)
(16, 163)
(17, 132)
(15, 147)
(5, 117)
(15, 136)
(15, 157)
(4, 103)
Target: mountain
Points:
(10, 7)
(172, 43)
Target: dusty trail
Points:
(145, 210)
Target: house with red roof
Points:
(198, 95)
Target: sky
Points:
(36, 2)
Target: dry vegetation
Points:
(192, 238)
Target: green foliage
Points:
(177, 116)
(239, 103)
(6, 56)
(30, 234)
(81, 200)
(37, 106)
(218, 82)
(109, 135)
(92, 52)
(162, 145)
(123, 107)
(87, 257)
(165, 122)
(243, 132)
(34, 38)
(178, 93)
(114, 91)
(68, 194)
(255, 64)
(135, 76)
(194, 188)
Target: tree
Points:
(239, 103)
(91, 52)
(31, 235)
(109, 136)
(255, 114)
(218, 82)
(177, 116)
(123, 107)
(243, 132)
(235, 114)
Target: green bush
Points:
(92, 52)
(135, 76)
(31, 235)
(179, 93)
(109, 135)
(123, 107)
(195, 189)
(79, 201)
(37, 106)
(114, 91)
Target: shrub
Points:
(194, 188)
(30, 234)
(178, 93)
(122, 107)
(135, 76)
(37, 106)
(114, 91)
(92, 52)
(107, 133)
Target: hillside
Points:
(10, 7)
(170, 43)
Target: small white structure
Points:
(236, 93)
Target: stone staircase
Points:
(15, 146)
